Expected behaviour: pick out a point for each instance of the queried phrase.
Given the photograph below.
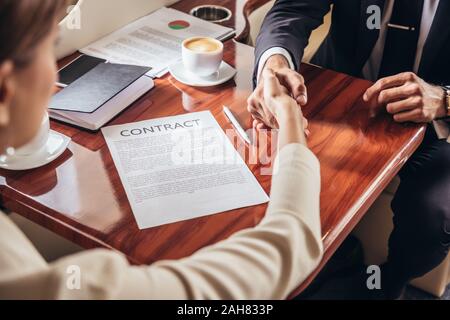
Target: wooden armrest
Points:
(249, 7)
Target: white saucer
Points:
(57, 143)
(225, 73)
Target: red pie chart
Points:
(179, 25)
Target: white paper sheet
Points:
(154, 40)
(179, 168)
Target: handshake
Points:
(280, 89)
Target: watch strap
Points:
(447, 99)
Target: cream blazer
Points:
(265, 262)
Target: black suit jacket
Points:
(349, 44)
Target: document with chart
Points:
(179, 168)
(154, 40)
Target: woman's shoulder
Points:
(17, 253)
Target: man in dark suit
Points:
(408, 55)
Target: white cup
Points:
(38, 142)
(203, 63)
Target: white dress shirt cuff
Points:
(442, 129)
(271, 52)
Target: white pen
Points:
(236, 124)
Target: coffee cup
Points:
(38, 142)
(202, 56)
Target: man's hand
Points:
(408, 98)
(292, 82)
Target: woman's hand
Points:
(276, 97)
(257, 103)
(283, 109)
(292, 82)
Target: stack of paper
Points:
(154, 40)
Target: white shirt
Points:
(372, 67)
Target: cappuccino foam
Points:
(202, 45)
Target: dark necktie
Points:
(402, 37)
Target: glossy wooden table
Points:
(81, 198)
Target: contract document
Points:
(180, 168)
(154, 40)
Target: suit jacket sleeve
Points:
(289, 25)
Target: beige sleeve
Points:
(266, 262)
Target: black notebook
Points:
(94, 89)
